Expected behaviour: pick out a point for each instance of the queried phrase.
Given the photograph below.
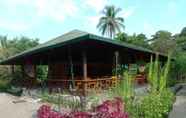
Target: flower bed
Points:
(108, 109)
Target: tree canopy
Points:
(9, 47)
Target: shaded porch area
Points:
(80, 61)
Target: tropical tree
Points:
(110, 24)
(4, 48)
(163, 42)
(139, 39)
(183, 32)
(10, 47)
(181, 41)
(121, 37)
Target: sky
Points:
(47, 19)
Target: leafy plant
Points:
(110, 23)
(124, 87)
(70, 102)
(4, 85)
(164, 74)
(157, 76)
(108, 109)
(157, 105)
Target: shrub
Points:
(124, 87)
(157, 105)
(46, 112)
(15, 91)
(4, 85)
(157, 75)
(69, 102)
(109, 109)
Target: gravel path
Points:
(179, 107)
(24, 108)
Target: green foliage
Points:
(109, 24)
(179, 66)
(14, 91)
(180, 44)
(157, 76)
(124, 87)
(42, 72)
(120, 69)
(153, 75)
(10, 47)
(164, 74)
(133, 107)
(60, 100)
(121, 37)
(157, 105)
(4, 85)
(165, 38)
(158, 102)
(183, 32)
(139, 40)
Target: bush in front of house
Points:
(158, 101)
(108, 109)
(157, 105)
(4, 85)
(14, 91)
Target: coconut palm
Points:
(4, 52)
(109, 24)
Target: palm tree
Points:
(109, 24)
(4, 49)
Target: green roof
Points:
(71, 37)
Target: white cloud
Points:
(148, 29)
(96, 5)
(24, 14)
(56, 9)
(127, 12)
(14, 26)
(93, 20)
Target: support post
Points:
(23, 71)
(71, 68)
(116, 53)
(84, 65)
(84, 56)
(12, 69)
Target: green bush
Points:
(60, 100)
(4, 85)
(157, 105)
(14, 91)
(124, 88)
(132, 106)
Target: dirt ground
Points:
(17, 107)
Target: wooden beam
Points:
(23, 71)
(84, 65)
(71, 67)
(116, 53)
(13, 69)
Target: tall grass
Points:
(124, 87)
(157, 76)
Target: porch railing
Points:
(80, 85)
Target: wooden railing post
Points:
(84, 65)
(116, 62)
(84, 56)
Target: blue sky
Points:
(46, 19)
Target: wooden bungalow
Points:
(80, 60)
